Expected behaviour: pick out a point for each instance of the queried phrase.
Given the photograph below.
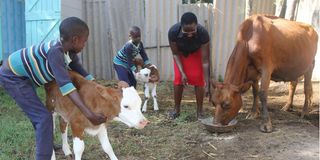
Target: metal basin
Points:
(208, 123)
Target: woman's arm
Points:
(175, 52)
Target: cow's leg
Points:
(154, 96)
(266, 125)
(78, 143)
(307, 91)
(255, 112)
(292, 89)
(64, 135)
(104, 140)
(146, 97)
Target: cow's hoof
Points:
(252, 115)
(266, 127)
(287, 107)
(302, 115)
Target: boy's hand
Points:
(96, 118)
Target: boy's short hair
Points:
(188, 18)
(72, 26)
(134, 29)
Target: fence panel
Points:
(160, 16)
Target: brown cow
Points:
(116, 104)
(267, 48)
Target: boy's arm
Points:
(95, 118)
(58, 67)
(144, 55)
(76, 66)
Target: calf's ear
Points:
(122, 84)
(102, 91)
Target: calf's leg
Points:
(78, 144)
(146, 98)
(64, 136)
(78, 148)
(104, 141)
(154, 96)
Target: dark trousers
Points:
(126, 75)
(23, 92)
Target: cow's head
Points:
(130, 109)
(143, 75)
(227, 100)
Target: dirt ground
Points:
(186, 139)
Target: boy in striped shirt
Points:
(40, 64)
(122, 62)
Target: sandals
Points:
(173, 115)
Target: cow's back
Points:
(287, 47)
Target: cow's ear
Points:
(245, 86)
(216, 84)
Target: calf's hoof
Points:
(266, 127)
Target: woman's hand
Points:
(184, 79)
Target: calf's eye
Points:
(126, 106)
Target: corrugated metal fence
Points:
(160, 16)
(109, 21)
(308, 11)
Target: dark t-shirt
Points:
(185, 45)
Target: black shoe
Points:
(173, 115)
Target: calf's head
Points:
(227, 100)
(130, 109)
(143, 75)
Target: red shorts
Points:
(192, 67)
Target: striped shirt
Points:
(128, 52)
(46, 62)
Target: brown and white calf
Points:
(116, 104)
(149, 75)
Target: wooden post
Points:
(158, 47)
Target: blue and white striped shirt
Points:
(128, 52)
(47, 62)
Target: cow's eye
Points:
(126, 106)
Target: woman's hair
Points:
(72, 26)
(188, 18)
